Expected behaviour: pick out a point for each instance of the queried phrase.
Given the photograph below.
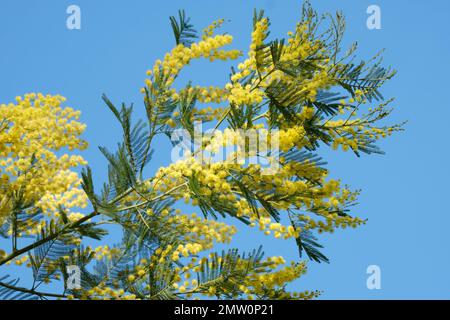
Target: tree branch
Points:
(48, 238)
(37, 293)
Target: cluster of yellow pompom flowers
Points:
(181, 56)
(33, 131)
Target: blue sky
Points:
(404, 192)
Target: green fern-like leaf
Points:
(183, 30)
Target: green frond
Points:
(23, 217)
(327, 103)
(45, 258)
(211, 205)
(307, 243)
(136, 139)
(226, 272)
(367, 77)
(253, 198)
(183, 30)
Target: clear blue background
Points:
(405, 192)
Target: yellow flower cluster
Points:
(295, 192)
(211, 178)
(186, 250)
(181, 56)
(250, 93)
(278, 278)
(259, 34)
(292, 137)
(105, 251)
(299, 47)
(358, 132)
(267, 225)
(211, 94)
(331, 222)
(32, 131)
(202, 231)
(240, 95)
(102, 292)
(209, 31)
